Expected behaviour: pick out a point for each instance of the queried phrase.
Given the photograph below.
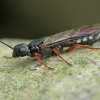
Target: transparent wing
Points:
(69, 35)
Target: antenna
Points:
(6, 45)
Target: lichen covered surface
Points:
(26, 79)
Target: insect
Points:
(55, 44)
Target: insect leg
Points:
(57, 53)
(82, 46)
(37, 55)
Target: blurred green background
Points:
(37, 18)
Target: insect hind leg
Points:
(82, 46)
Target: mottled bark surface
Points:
(25, 79)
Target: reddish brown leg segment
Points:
(57, 53)
(80, 45)
(37, 55)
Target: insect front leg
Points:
(37, 55)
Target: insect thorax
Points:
(34, 46)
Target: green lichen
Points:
(26, 79)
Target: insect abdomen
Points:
(86, 39)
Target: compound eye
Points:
(22, 51)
